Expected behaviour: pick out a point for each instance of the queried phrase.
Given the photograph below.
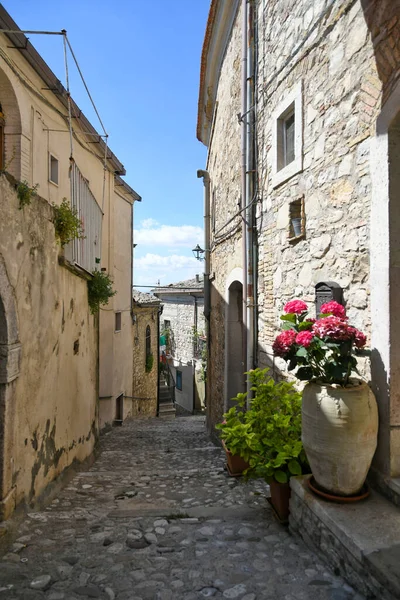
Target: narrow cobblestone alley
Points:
(156, 517)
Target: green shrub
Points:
(67, 223)
(25, 193)
(100, 290)
(268, 435)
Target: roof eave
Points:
(220, 22)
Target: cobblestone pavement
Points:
(157, 517)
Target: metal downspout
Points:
(207, 261)
(250, 170)
(244, 178)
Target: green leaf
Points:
(294, 467)
(287, 326)
(289, 317)
(301, 352)
(281, 476)
(304, 326)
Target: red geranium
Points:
(295, 306)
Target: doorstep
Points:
(360, 541)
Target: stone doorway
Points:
(234, 372)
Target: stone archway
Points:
(10, 359)
(234, 338)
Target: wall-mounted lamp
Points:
(198, 252)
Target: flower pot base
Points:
(232, 473)
(320, 491)
(282, 521)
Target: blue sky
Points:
(141, 62)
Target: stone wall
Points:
(145, 385)
(326, 48)
(223, 166)
(344, 57)
(49, 357)
(180, 312)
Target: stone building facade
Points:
(50, 411)
(328, 71)
(146, 316)
(183, 321)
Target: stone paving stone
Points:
(111, 535)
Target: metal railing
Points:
(85, 252)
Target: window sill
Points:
(287, 172)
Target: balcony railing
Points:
(86, 252)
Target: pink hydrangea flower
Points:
(360, 338)
(304, 338)
(334, 328)
(334, 308)
(283, 342)
(295, 306)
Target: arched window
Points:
(149, 355)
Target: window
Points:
(179, 380)
(287, 143)
(167, 324)
(149, 357)
(53, 169)
(118, 321)
(296, 219)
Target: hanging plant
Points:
(100, 290)
(67, 223)
(25, 193)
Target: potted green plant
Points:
(234, 434)
(339, 413)
(268, 435)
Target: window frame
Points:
(118, 321)
(291, 105)
(53, 156)
(179, 377)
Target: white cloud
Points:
(153, 268)
(152, 234)
(148, 223)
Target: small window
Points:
(296, 219)
(167, 324)
(118, 321)
(287, 137)
(179, 380)
(53, 169)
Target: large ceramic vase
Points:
(339, 434)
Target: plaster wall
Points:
(50, 417)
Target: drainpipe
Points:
(207, 260)
(243, 143)
(243, 177)
(250, 188)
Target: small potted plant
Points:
(234, 433)
(339, 413)
(268, 435)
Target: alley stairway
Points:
(166, 409)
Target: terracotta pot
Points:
(339, 434)
(280, 496)
(236, 464)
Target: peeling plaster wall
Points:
(51, 411)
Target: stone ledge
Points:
(361, 541)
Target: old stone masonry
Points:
(157, 517)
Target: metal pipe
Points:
(250, 120)
(207, 242)
(243, 143)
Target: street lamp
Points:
(198, 252)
